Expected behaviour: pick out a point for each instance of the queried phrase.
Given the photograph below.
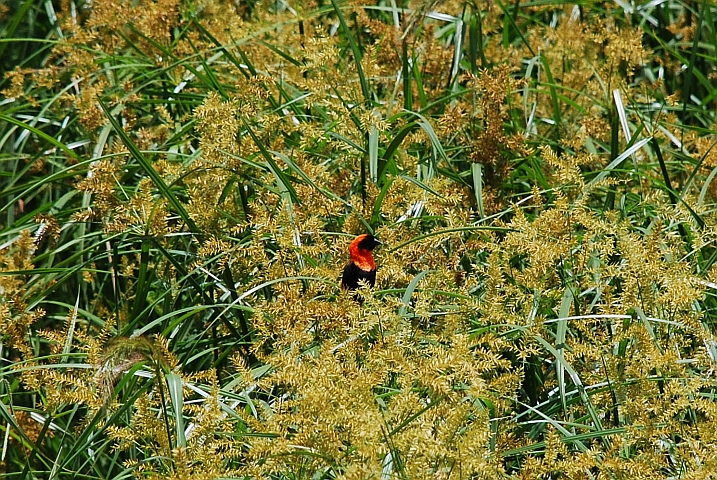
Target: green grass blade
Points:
(174, 385)
(356, 52)
(149, 170)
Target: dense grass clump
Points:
(180, 180)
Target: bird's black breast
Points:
(352, 275)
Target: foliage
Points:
(181, 179)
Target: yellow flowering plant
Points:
(181, 180)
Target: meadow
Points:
(180, 181)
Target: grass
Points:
(180, 182)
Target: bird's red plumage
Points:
(363, 258)
(361, 264)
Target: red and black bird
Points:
(361, 264)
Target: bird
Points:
(361, 263)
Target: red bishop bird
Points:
(361, 265)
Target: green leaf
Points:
(174, 385)
(477, 172)
(406, 300)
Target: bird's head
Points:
(361, 247)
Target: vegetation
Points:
(180, 180)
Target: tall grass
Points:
(180, 181)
